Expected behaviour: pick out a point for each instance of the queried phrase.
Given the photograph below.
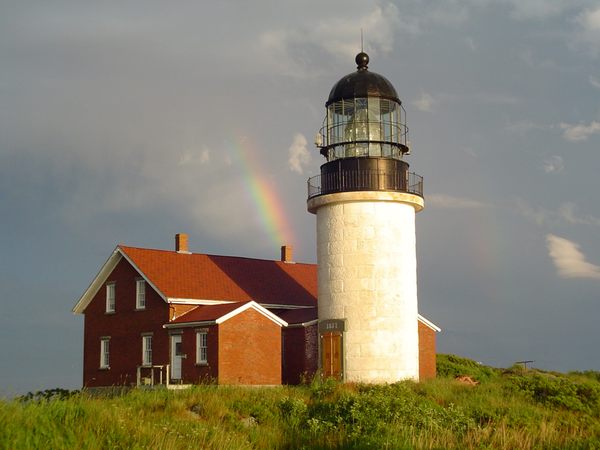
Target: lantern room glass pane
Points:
(395, 124)
(375, 133)
(386, 119)
(375, 149)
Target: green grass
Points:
(509, 409)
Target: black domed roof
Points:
(362, 83)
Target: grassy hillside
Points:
(508, 409)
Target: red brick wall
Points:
(124, 327)
(191, 372)
(426, 352)
(249, 350)
(312, 350)
(299, 354)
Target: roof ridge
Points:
(123, 246)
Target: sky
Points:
(128, 122)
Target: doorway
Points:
(176, 356)
(331, 355)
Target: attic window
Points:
(110, 298)
(140, 294)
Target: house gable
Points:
(103, 275)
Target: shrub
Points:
(322, 388)
(591, 374)
(452, 366)
(293, 411)
(48, 395)
(560, 391)
(373, 409)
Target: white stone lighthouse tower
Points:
(365, 201)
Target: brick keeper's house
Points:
(176, 318)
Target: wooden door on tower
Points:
(331, 354)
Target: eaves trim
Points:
(97, 282)
(198, 301)
(303, 324)
(202, 323)
(252, 304)
(277, 306)
(428, 323)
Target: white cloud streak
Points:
(299, 156)
(553, 164)
(565, 214)
(589, 29)
(537, 215)
(523, 126)
(425, 102)
(538, 9)
(190, 157)
(448, 201)
(581, 132)
(335, 35)
(569, 260)
(594, 82)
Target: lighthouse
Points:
(365, 200)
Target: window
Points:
(110, 298)
(147, 350)
(104, 353)
(140, 294)
(201, 347)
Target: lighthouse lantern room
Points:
(365, 200)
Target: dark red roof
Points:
(295, 316)
(207, 313)
(211, 277)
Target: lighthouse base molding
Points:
(367, 270)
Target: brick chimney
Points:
(181, 243)
(286, 253)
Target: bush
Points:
(560, 391)
(293, 411)
(320, 388)
(48, 395)
(373, 409)
(591, 374)
(452, 366)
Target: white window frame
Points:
(140, 294)
(147, 350)
(110, 297)
(202, 347)
(105, 353)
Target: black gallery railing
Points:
(365, 180)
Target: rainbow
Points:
(263, 194)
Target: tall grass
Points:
(507, 410)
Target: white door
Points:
(176, 357)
